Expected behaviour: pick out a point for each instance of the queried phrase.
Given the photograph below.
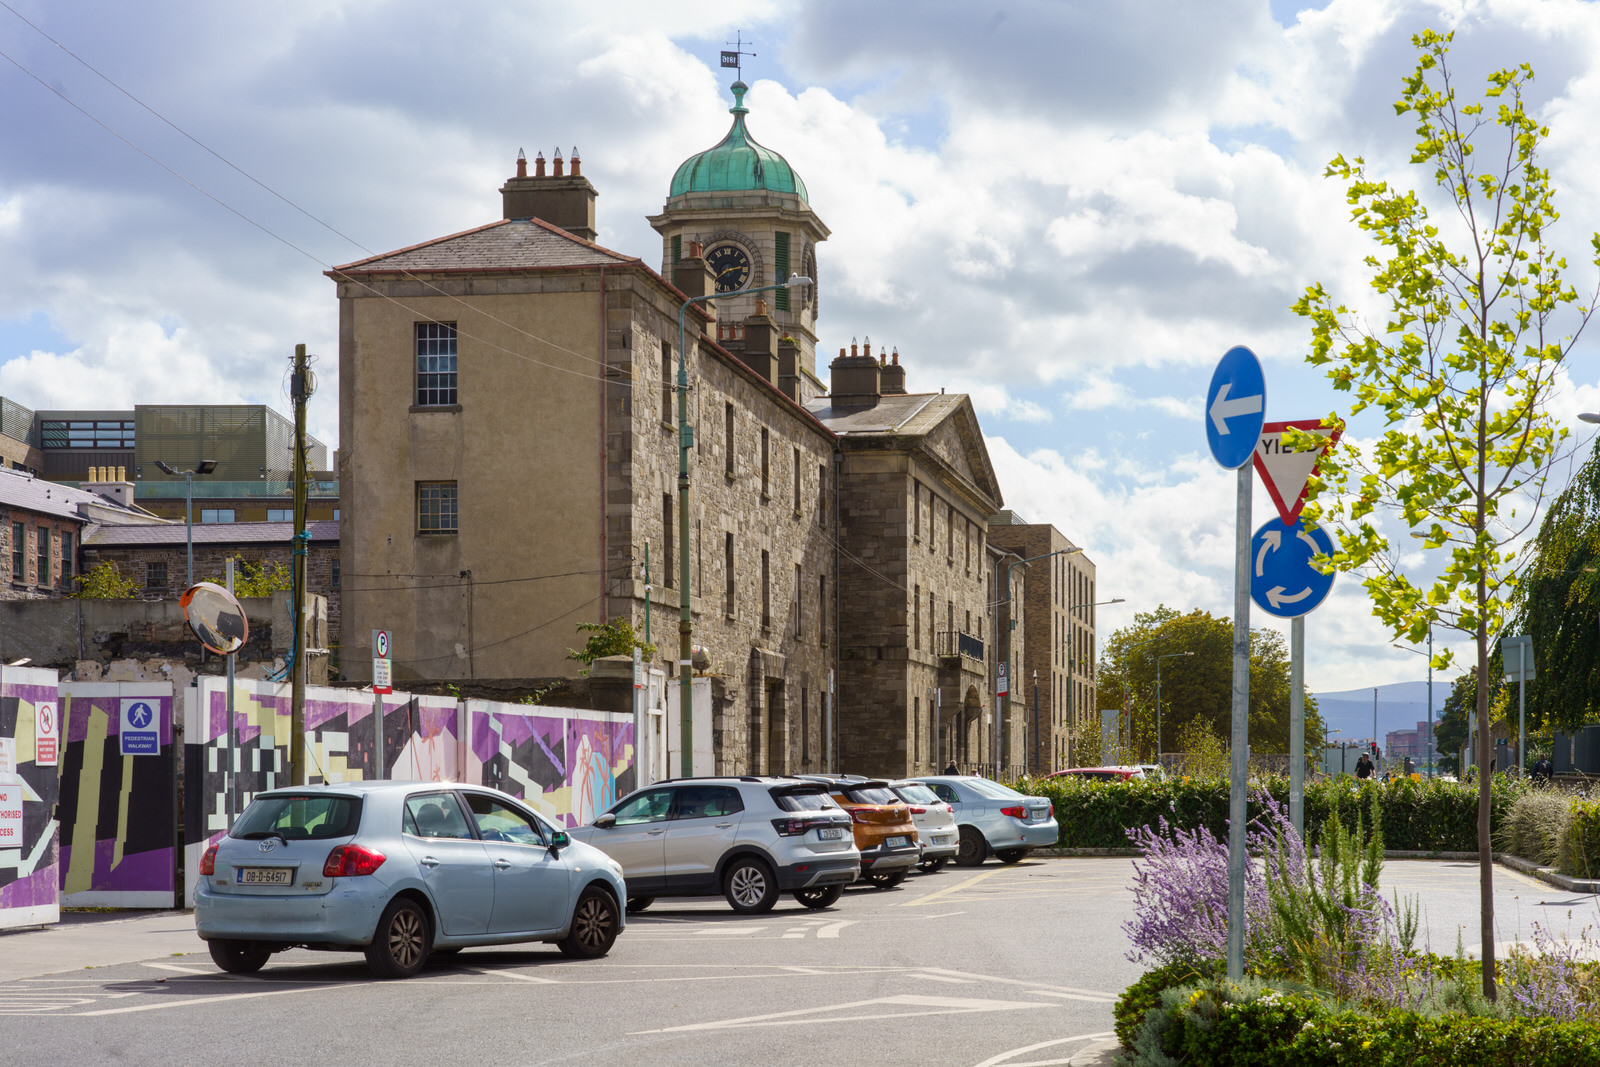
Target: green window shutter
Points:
(677, 249)
(781, 255)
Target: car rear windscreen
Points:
(803, 801)
(917, 794)
(992, 790)
(881, 794)
(315, 816)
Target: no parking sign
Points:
(47, 734)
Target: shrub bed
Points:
(1425, 816)
(1253, 1025)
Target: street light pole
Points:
(1169, 655)
(686, 442)
(1011, 624)
(205, 466)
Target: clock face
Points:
(731, 266)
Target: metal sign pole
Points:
(233, 752)
(1237, 856)
(1297, 724)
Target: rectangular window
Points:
(916, 729)
(280, 514)
(766, 590)
(799, 613)
(916, 510)
(436, 364)
(668, 391)
(969, 546)
(677, 247)
(699, 561)
(333, 577)
(727, 440)
(668, 541)
(805, 727)
(437, 508)
(155, 575)
(916, 618)
(766, 457)
(950, 533)
(780, 269)
(68, 559)
(41, 576)
(216, 515)
(19, 552)
(933, 643)
(822, 495)
(797, 479)
(822, 609)
(729, 588)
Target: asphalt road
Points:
(995, 967)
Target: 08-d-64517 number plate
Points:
(266, 876)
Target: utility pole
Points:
(299, 391)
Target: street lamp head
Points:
(165, 468)
(1589, 416)
(205, 466)
(796, 280)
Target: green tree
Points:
(617, 638)
(256, 579)
(104, 582)
(1199, 687)
(1557, 601)
(1460, 372)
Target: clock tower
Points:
(745, 205)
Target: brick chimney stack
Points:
(855, 378)
(560, 199)
(894, 376)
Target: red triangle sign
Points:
(1286, 472)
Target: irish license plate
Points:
(898, 842)
(266, 875)
(830, 833)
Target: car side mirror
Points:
(558, 841)
(606, 821)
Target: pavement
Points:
(85, 939)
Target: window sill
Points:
(437, 533)
(766, 497)
(731, 617)
(448, 409)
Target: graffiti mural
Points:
(119, 811)
(569, 764)
(29, 857)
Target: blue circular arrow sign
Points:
(1236, 407)
(1282, 580)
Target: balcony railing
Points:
(957, 643)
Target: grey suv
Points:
(748, 838)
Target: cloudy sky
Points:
(1068, 209)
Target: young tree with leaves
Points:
(1460, 374)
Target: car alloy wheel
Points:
(594, 926)
(638, 904)
(750, 886)
(886, 880)
(935, 866)
(400, 946)
(238, 957)
(973, 849)
(820, 897)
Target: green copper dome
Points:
(737, 163)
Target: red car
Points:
(1101, 774)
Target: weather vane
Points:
(731, 59)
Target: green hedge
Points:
(1207, 1024)
(1425, 816)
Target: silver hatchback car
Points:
(994, 818)
(400, 870)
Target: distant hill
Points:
(1401, 706)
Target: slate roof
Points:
(18, 490)
(509, 244)
(209, 533)
(903, 413)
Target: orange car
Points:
(884, 832)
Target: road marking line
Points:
(514, 974)
(832, 929)
(190, 1001)
(791, 937)
(938, 893)
(996, 1061)
(182, 970)
(805, 1016)
(941, 978)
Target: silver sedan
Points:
(399, 870)
(993, 818)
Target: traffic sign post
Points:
(140, 729)
(1286, 471)
(382, 682)
(1235, 410)
(1283, 581)
(47, 735)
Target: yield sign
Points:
(1286, 472)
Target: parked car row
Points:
(402, 871)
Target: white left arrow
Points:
(1223, 409)
(1276, 598)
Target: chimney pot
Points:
(696, 249)
(897, 355)
(761, 305)
(556, 164)
(122, 474)
(538, 165)
(522, 164)
(576, 172)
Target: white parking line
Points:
(832, 929)
(1005, 1057)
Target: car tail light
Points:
(208, 862)
(861, 816)
(346, 861)
(792, 827)
(1015, 811)
(919, 811)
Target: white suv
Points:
(936, 823)
(748, 838)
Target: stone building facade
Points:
(156, 556)
(42, 527)
(1056, 601)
